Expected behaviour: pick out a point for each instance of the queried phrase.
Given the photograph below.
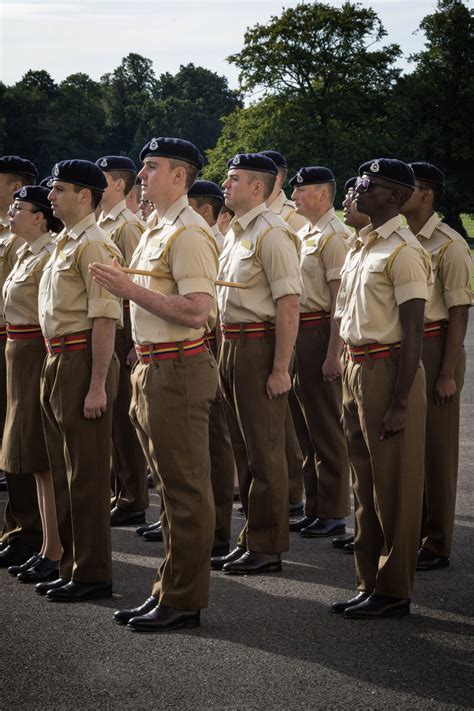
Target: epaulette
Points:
(449, 232)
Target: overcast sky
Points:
(65, 37)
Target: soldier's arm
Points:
(286, 330)
(103, 339)
(446, 386)
(332, 366)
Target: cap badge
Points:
(375, 167)
(49, 184)
(299, 178)
(23, 193)
(103, 163)
(236, 160)
(56, 170)
(153, 144)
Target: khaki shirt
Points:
(180, 244)
(385, 268)
(262, 252)
(323, 250)
(452, 268)
(9, 245)
(69, 299)
(218, 237)
(285, 208)
(152, 219)
(20, 291)
(123, 227)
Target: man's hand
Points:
(444, 390)
(393, 421)
(278, 383)
(112, 279)
(95, 403)
(131, 357)
(332, 368)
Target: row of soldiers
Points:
(319, 327)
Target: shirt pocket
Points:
(244, 263)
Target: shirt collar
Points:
(172, 212)
(40, 242)
(278, 203)
(324, 219)
(246, 219)
(429, 226)
(114, 212)
(81, 226)
(384, 231)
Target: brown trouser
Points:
(388, 476)
(257, 427)
(79, 452)
(327, 495)
(170, 407)
(293, 452)
(129, 465)
(441, 453)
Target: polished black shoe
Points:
(155, 535)
(295, 509)
(124, 616)
(339, 607)
(79, 592)
(220, 548)
(44, 569)
(349, 548)
(300, 523)
(147, 527)
(218, 562)
(324, 527)
(119, 517)
(378, 606)
(15, 553)
(252, 563)
(163, 618)
(427, 560)
(42, 588)
(341, 541)
(16, 569)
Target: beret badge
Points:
(299, 178)
(153, 144)
(56, 170)
(23, 193)
(236, 160)
(103, 163)
(374, 168)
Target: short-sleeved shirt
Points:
(123, 227)
(180, 245)
(20, 291)
(218, 237)
(286, 209)
(386, 267)
(9, 245)
(452, 268)
(262, 252)
(323, 250)
(69, 298)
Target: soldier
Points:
(79, 384)
(130, 499)
(133, 198)
(175, 380)
(444, 358)
(352, 217)
(21, 536)
(380, 309)
(277, 201)
(318, 353)
(259, 326)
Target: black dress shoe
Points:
(42, 588)
(339, 607)
(299, 524)
(295, 509)
(252, 563)
(324, 527)
(218, 562)
(220, 548)
(378, 606)
(16, 569)
(79, 592)
(119, 517)
(427, 560)
(15, 553)
(155, 535)
(124, 616)
(349, 548)
(163, 618)
(44, 569)
(148, 527)
(341, 541)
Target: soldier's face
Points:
(237, 189)
(306, 198)
(65, 201)
(156, 176)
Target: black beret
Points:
(47, 182)
(253, 161)
(175, 148)
(312, 175)
(276, 157)
(17, 166)
(427, 172)
(108, 163)
(80, 172)
(205, 188)
(392, 169)
(35, 194)
(350, 184)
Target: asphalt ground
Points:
(266, 642)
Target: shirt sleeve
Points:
(100, 302)
(194, 262)
(455, 273)
(280, 263)
(410, 275)
(128, 239)
(333, 257)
